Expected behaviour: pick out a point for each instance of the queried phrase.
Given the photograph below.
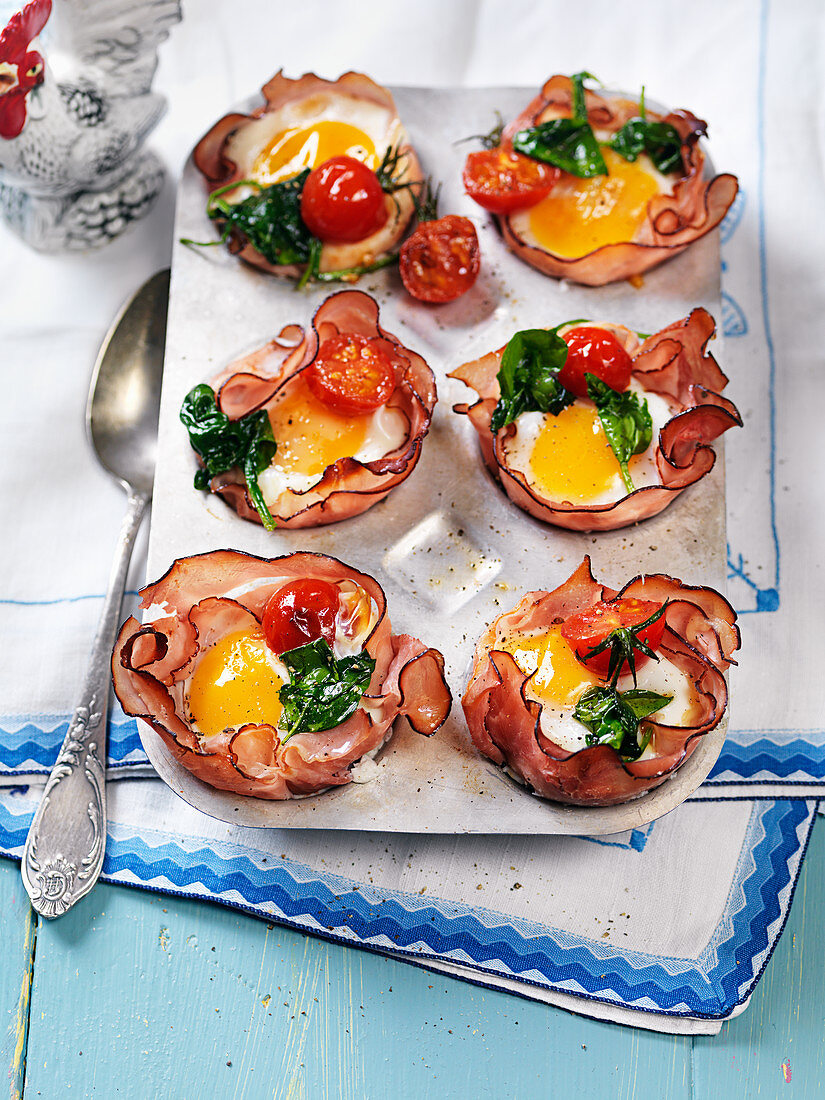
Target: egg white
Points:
(559, 726)
(374, 120)
(519, 447)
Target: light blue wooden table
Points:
(138, 995)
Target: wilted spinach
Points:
(528, 376)
(323, 690)
(659, 140)
(567, 143)
(613, 717)
(626, 420)
(223, 443)
(270, 219)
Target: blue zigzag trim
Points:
(762, 908)
(412, 925)
(767, 756)
(39, 744)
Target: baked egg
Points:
(558, 680)
(304, 133)
(312, 436)
(581, 215)
(238, 678)
(568, 457)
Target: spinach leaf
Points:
(323, 690)
(626, 421)
(613, 717)
(659, 140)
(567, 143)
(223, 443)
(270, 219)
(643, 703)
(528, 376)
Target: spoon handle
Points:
(67, 839)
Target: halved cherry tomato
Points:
(352, 373)
(441, 260)
(589, 628)
(595, 351)
(299, 613)
(502, 180)
(342, 200)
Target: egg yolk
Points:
(572, 459)
(234, 683)
(293, 150)
(310, 435)
(581, 215)
(559, 678)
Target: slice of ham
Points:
(674, 363)
(696, 206)
(202, 599)
(700, 638)
(347, 487)
(213, 157)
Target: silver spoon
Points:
(67, 839)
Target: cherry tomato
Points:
(342, 200)
(589, 628)
(441, 260)
(594, 351)
(502, 180)
(299, 613)
(352, 373)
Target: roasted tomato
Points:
(299, 613)
(587, 629)
(594, 351)
(441, 260)
(342, 200)
(352, 374)
(502, 180)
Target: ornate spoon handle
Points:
(67, 839)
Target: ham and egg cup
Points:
(277, 677)
(315, 184)
(592, 696)
(591, 427)
(315, 426)
(596, 188)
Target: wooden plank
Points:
(16, 962)
(776, 1049)
(141, 995)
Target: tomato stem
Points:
(490, 140)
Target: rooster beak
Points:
(8, 78)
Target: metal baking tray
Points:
(449, 548)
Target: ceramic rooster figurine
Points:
(72, 119)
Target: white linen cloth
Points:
(754, 72)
